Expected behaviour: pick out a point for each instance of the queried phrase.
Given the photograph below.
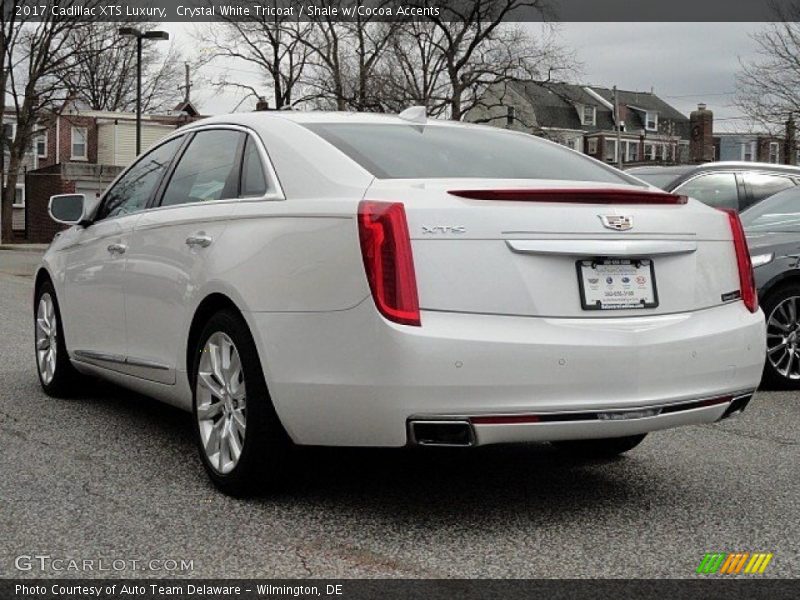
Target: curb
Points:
(32, 248)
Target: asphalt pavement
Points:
(114, 476)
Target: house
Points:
(754, 147)
(582, 118)
(29, 161)
(79, 150)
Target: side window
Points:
(208, 169)
(762, 185)
(715, 189)
(131, 193)
(254, 183)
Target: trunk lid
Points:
(518, 257)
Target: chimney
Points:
(262, 104)
(511, 114)
(790, 143)
(701, 136)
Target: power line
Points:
(703, 94)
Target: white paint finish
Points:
(91, 292)
(293, 256)
(164, 274)
(351, 378)
(485, 276)
(339, 373)
(545, 432)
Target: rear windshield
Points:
(390, 151)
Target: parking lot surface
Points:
(112, 475)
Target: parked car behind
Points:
(736, 185)
(773, 234)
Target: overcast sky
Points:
(684, 63)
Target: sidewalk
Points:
(40, 248)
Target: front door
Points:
(92, 299)
(96, 264)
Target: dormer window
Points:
(651, 121)
(588, 115)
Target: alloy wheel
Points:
(783, 338)
(46, 338)
(221, 403)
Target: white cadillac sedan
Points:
(372, 280)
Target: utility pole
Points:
(617, 127)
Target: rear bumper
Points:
(352, 378)
(538, 427)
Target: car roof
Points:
(739, 165)
(319, 116)
(657, 170)
(682, 173)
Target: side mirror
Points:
(69, 209)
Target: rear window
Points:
(391, 151)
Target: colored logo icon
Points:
(734, 563)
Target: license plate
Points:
(617, 284)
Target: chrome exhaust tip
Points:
(737, 406)
(456, 433)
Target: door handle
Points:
(200, 239)
(117, 248)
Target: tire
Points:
(782, 309)
(233, 411)
(57, 376)
(601, 448)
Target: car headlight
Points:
(759, 260)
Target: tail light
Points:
(747, 282)
(574, 196)
(386, 249)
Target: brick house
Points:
(582, 118)
(82, 151)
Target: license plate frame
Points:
(645, 295)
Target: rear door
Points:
(173, 246)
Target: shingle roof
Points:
(554, 105)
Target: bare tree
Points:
(445, 63)
(768, 87)
(448, 63)
(273, 47)
(415, 73)
(345, 59)
(105, 66)
(480, 50)
(35, 56)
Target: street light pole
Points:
(140, 35)
(138, 94)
